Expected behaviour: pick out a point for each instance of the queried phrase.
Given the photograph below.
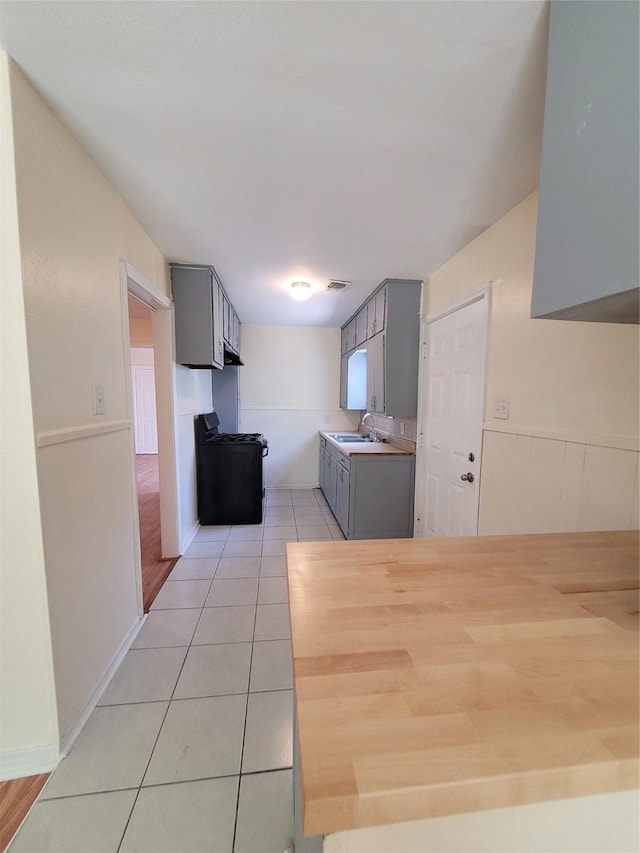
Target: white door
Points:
(144, 407)
(450, 430)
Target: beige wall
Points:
(566, 459)
(29, 730)
(74, 232)
(290, 390)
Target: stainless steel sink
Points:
(345, 438)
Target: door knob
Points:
(468, 477)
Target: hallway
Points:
(190, 748)
(155, 570)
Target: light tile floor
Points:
(190, 748)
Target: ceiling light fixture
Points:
(300, 290)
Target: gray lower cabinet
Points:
(343, 481)
(330, 478)
(370, 495)
(322, 461)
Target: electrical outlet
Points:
(501, 408)
(98, 400)
(403, 428)
(327, 419)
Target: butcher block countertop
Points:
(438, 676)
(370, 448)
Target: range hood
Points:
(231, 357)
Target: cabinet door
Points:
(218, 310)
(331, 480)
(375, 374)
(193, 312)
(371, 318)
(322, 463)
(380, 310)
(235, 332)
(344, 378)
(226, 319)
(342, 498)
(343, 341)
(377, 311)
(361, 325)
(351, 334)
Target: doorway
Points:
(449, 453)
(147, 322)
(143, 386)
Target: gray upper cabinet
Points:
(586, 259)
(198, 323)
(205, 321)
(391, 374)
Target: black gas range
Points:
(229, 473)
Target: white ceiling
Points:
(279, 140)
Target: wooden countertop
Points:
(436, 676)
(372, 448)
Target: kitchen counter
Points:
(446, 676)
(377, 448)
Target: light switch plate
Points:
(501, 408)
(98, 400)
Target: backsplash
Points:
(389, 428)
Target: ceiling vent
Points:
(336, 286)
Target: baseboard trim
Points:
(294, 488)
(73, 733)
(16, 763)
(188, 539)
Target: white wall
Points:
(74, 231)
(290, 390)
(29, 730)
(192, 397)
(567, 457)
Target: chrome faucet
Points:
(372, 431)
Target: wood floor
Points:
(154, 569)
(18, 795)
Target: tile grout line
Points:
(157, 738)
(138, 788)
(246, 715)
